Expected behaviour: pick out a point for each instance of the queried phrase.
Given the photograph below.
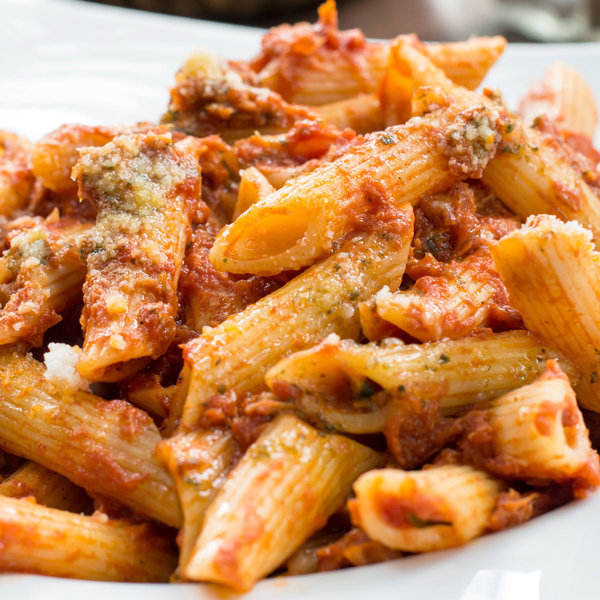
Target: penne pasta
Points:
(93, 547)
(362, 113)
(234, 356)
(54, 156)
(557, 294)
(467, 63)
(336, 383)
(421, 511)
(302, 221)
(213, 96)
(199, 462)
(283, 489)
(41, 274)
(146, 188)
(150, 396)
(530, 172)
(254, 186)
(448, 301)
(565, 98)
(536, 432)
(319, 64)
(48, 488)
(16, 178)
(106, 447)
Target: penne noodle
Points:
(536, 432)
(16, 178)
(254, 186)
(93, 547)
(467, 63)
(47, 487)
(42, 273)
(530, 172)
(54, 156)
(106, 447)
(213, 96)
(336, 382)
(362, 113)
(450, 302)
(565, 98)
(319, 64)
(235, 355)
(558, 294)
(283, 489)
(302, 221)
(199, 462)
(421, 511)
(151, 397)
(146, 188)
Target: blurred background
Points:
(439, 20)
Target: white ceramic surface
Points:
(69, 61)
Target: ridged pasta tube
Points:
(236, 354)
(302, 221)
(145, 188)
(420, 511)
(537, 432)
(93, 547)
(551, 271)
(527, 172)
(47, 487)
(199, 462)
(565, 98)
(106, 447)
(335, 382)
(283, 490)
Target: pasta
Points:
(428, 510)
(321, 300)
(301, 222)
(304, 475)
(322, 379)
(335, 306)
(134, 252)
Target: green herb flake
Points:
(419, 523)
(388, 139)
(366, 390)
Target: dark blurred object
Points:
(433, 20)
(238, 11)
(592, 421)
(544, 20)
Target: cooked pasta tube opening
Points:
(419, 511)
(276, 233)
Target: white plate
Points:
(68, 61)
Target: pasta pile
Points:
(335, 308)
